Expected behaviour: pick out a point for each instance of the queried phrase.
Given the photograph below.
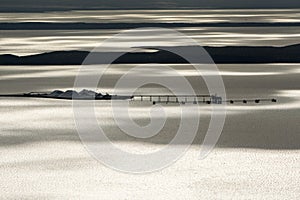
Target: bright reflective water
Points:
(24, 42)
(258, 151)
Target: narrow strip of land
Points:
(164, 55)
(82, 26)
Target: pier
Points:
(156, 98)
(197, 99)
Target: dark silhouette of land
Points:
(84, 26)
(229, 54)
(70, 95)
(58, 5)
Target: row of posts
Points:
(195, 99)
(214, 99)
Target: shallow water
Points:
(268, 81)
(257, 155)
(25, 42)
(159, 16)
(42, 155)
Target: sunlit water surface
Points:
(26, 42)
(41, 153)
(257, 155)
